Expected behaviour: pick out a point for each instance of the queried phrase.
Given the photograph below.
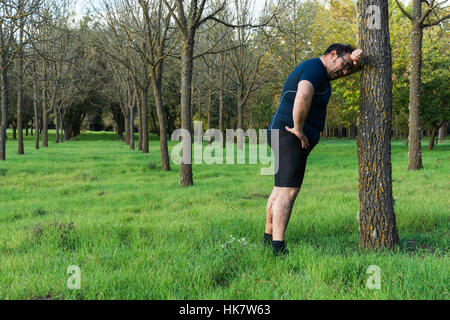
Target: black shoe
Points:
(279, 248)
(281, 253)
(267, 241)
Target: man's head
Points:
(337, 60)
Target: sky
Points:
(81, 4)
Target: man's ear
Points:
(334, 55)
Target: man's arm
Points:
(302, 103)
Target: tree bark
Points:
(144, 119)
(221, 83)
(414, 138)
(20, 149)
(44, 110)
(187, 62)
(240, 117)
(377, 219)
(127, 125)
(55, 112)
(434, 132)
(156, 82)
(4, 122)
(442, 132)
(131, 101)
(139, 116)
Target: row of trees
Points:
(158, 65)
(47, 70)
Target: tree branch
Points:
(403, 10)
(426, 25)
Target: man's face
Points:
(339, 65)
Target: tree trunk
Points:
(377, 219)
(221, 120)
(20, 149)
(144, 119)
(139, 117)
(4, 122)
(132, 147)
(44, 111)
(156, 82)
(208, 111)
(442, 132)
(414, 145)
(55, 112)
(127, 125)
(187, 62)
(240, 118)
(433, 135)
(60, 130)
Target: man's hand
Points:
(300, 135)
(357, 56)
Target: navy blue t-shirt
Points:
(314, 71)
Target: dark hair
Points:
(340, 49)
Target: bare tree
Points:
(189, 16)
(246, 59)
(419, 21)
(8, 51)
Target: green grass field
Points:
(135, 234)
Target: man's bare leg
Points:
(281, 211)
(269, 209)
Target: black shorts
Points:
(290, 159)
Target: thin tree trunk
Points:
(414, 145)
(156, 82)
(4, 122)
(186, 178)
(209, 105)
(433, 135)
(144, 116)
(376, 215)
(221, 120)
(127, 125)
(139, 116)
(132, 147)
(442, 132)
(240, 118)
(20, 149)
(131, 102)
(61, 134)
(44, 111)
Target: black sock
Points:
(278, 245)
(267, 238)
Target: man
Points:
(299, 119)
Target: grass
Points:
(135, 234)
